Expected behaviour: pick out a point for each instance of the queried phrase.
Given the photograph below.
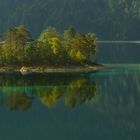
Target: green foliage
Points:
(48, 34)
(51, 48)
(15, 40)
(83, 47)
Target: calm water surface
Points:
(103, 105)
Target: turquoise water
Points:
(99, 105)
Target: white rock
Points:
(25, 70)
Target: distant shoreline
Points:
(25, 70)
(118, 42)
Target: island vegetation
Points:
(51, 48)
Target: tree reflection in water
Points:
(80, 91)
(19, 102)
(19, 92)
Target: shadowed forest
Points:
(109, 19)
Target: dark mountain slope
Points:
(110, 19)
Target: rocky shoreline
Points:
(24, 70)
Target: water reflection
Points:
(106, 105)
(19, 92)
(117, 88)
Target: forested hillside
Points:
(109, 19)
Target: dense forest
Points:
(51, 48)
(110, 19)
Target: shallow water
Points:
(99, 105)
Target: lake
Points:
(86, 106)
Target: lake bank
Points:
(47, 69)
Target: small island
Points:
(51, 52)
